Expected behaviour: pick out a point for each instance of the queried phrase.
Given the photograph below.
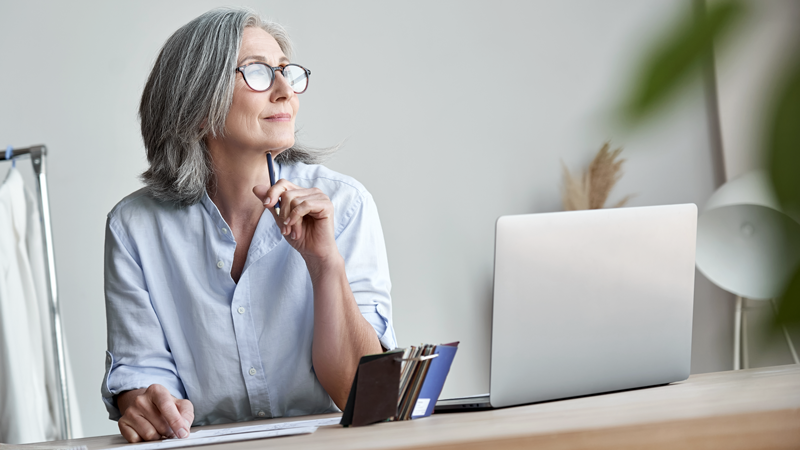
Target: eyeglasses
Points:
(259, 76)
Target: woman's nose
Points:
(281, 89)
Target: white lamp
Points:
(747, 246)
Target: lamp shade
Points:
(745, 244)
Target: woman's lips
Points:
(281, 117)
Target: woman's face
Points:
(263, 121)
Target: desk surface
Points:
(742, 409)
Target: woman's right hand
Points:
(153, 413)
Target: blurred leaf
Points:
(783, 143)
(672, 63)
(789, 304)
(783, 159)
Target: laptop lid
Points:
(591, 301)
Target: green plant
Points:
(678, 58)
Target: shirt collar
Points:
(267, 235)
(210, 207)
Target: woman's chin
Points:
(281, 149)
(278, 144)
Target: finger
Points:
(290, 221)
(139, 426)
(290, 199)
(300, 209)
(144, 408)
(317, 205)
(269, 195)
(165, 403)
(277, 192)
(186, 408)
(128, 432)
(260, 191)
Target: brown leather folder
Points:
(373, 395)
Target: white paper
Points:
(266, 427)
(192, 440)
(420, 407)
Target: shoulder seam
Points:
(116, 228)
(133, 196)
(358, 187)
(347, 216)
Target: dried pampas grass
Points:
(591, 190)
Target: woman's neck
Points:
(235, 175)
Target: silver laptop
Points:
(587, 302)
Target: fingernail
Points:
(266, 201)
(293, 236)
(286, 222)
(182, 433)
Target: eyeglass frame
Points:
(273, 69)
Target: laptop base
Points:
(471, 403)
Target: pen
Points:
(272, 180)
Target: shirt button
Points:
(241, 310)
(224, 231)
(220, 264)
(252, 371)
(261, 414)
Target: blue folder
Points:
(434, 380)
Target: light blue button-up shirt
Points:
(237, 351)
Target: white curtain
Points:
(29, 401)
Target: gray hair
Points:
(188, 96)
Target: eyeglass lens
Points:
(259, 77)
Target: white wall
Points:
(454, 113)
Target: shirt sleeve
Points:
(138, 354)
(362, 246)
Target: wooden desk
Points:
(755, 408)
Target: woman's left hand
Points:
(305, 219)
(341, 333)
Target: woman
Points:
(222, 307)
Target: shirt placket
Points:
(255, 379)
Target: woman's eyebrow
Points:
(255, 57)
(261, 59)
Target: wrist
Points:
(321, 266)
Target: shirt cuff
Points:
(126, 378)
(380, 322)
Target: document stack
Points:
(422, 378)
